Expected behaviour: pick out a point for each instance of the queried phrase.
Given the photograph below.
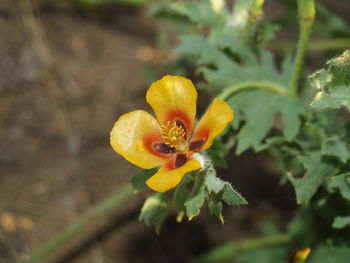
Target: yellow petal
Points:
(132, 137)
(173, 98)
(213, 122)
(164, 179)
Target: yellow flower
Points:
(168, 141)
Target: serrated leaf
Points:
(335, 147)
(260, 109)
(200, 47)
(222, 71)
(333, 83)
(215, 208)
(341, 222)
(223, 189)
(154, 210)
(342, 182)
(231, 196)
(213, 183)
(307, 186)
(138, 181)
(196, 199)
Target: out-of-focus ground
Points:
(65, 77)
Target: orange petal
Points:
(213, 122)
(173, 98)
(132, 137)
(164, 179)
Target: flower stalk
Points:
(231, 249)
(306, 12)
(263, 85)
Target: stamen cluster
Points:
(172, 133)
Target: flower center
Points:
(174, 136)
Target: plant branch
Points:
(254, 16)
(231, 249)
(263, 85)
(306, 12)
(106, 206)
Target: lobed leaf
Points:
(333, 83)
(260, 109)
(307, 186)
(335, 147)
(342, 182)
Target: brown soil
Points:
(65, 77)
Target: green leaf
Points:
(223, 70)
(333, 83)
(215, 208)
(328, 253)
(335, 147)
(341, 222)
(213, 183)
(217, 186)
(138, 181)
(181, 195)
(307, 186)
(260, 109)
(196, 198)
(205, 13)
(154, 210)
(241, 12)
(231, 196)
(206, 52)
(342, 182)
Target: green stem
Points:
(254, 16)
(106, 206)
(263, 85)
(231, 249)
(306, 11)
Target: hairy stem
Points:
(254, 16)
(106, 206)
(231, 249)
(263, 85)
(306, 12)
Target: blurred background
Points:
(68, 70)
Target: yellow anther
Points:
(172, 134)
